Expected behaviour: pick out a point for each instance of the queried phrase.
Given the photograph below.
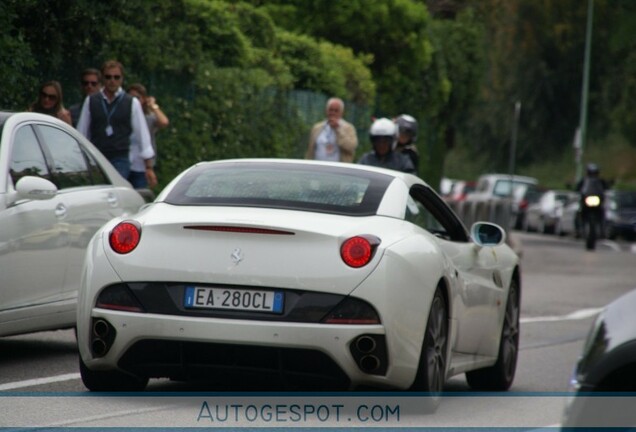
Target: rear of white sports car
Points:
(242, 295)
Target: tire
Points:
(110, 381)
(431, 371)
(500, 376)
(541, 226)
(525, 226)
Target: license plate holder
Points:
(233, 299)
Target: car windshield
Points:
(291, 186)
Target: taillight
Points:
(357, 251)
(124, 238)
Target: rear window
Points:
(289, 186)
(502, 187)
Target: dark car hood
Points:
(613, 339)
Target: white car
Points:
(498, 198)
(289, 272)
(56, 191)
(544, 213)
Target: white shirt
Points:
(327, 145)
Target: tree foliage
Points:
(535, 55)
(459, 71)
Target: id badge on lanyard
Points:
(109, 129)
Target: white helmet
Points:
(383, 127)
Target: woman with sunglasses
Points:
(50, 102)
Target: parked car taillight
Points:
(357, 251)
(124, 238)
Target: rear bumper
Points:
(187, 348)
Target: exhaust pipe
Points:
(101, 328)
(99, 348)
(365, 344)
(369, 363)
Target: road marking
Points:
(576, 315)
(39, 381)
(612, 245)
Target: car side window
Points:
(417, 214)
(97, 174)
(27, 158)
(70, 168)
(428, 211)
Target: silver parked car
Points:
(56, 191)
(543, 214)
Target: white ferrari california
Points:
(299, 275)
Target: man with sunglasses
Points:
(114, 121)
(89, 84)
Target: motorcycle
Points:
(591, 220)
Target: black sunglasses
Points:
(114, 77)
(49, 96)
(90, 83)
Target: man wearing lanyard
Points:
(114, 121)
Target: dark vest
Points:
(120, 110)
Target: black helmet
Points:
(592, 169)
(407, 125)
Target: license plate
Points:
(233, 299)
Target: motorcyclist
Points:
(407, 135)
(592, 185)
(383, 136)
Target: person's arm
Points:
(83, 124)
(347, 141)
(310, 153)
(141, 135)
(408, 166)
(162, 119)
(65, 116)
(579, 185)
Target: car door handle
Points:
(60, 211)
(112, 199)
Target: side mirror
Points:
(35, 188)
(487, 234)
